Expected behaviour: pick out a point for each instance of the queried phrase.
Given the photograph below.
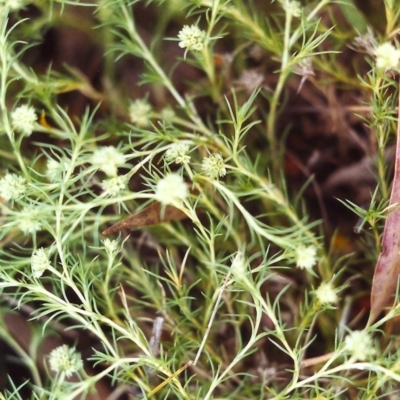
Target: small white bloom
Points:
(214, 166)
(178, 153)
(30, 220)
(171, 189)
(140, 113)
(23, 119)
(65, 359)
(239, 268)
(306, 257)
(360, 345)
(113, 186)
(12, 187)
(53, 169)
(387, 56)
(110, 246)
(293, 8)
(13, 5)
(175, 6)
(56, 169)
(326, 293)
(39, 262)
(167, 114)
(192, 38)
(108, 159)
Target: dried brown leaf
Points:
(154, 214)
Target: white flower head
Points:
(13, 5)
(108, 159)
(387, 56)
(175, 6)
(113, 185)
(168, 114)
(23, 119)
(360, 345)
(171, 189)
(55, 169)
(239, 268)
(214, 166)
(12, 187)
(293, 8)
(65, 359)
(111, 246)
(326, 293)
(39, 262)
(306, 257)
(30, 221)
(191, 38)
(178, 153)
(140, 113)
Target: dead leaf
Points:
(43, 121)
(387, 269)
(151, 215)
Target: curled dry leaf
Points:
(154, 214)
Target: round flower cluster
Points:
(39, 262)
(29, 220)
(111, 246)
(191, 38)
(113, 186)
(23, 119)
(214, 166)
(168, 115)
(107, 159)
(387, 56)
(171, 189)
(140, 113)
(326, 293)
(178, 153)
(55, 169)
(306, 257)
(360, 345)
(66, 360)
(239, 268)
(293, 8)
(12, 187)
(12, 5)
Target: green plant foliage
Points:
(246, 294)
